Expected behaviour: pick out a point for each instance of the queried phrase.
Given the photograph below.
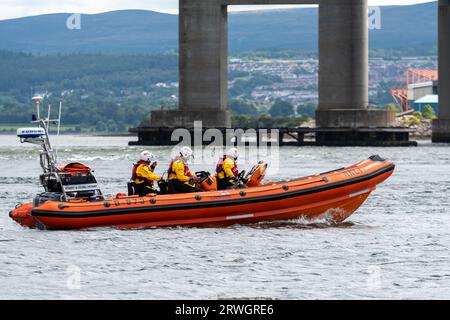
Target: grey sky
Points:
(20, 8)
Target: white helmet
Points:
(233, 153)
(147, 156)
(186, 153)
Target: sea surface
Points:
(396, 246)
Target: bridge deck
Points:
(302, 136)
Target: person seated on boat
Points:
(227, 170)
(143, 174)
(181, 180)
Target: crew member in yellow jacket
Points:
(181, 180)
(227, 170)
(143, 174)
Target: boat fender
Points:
(120, 195)
(242, 193)
(285, 188)
(152, 201)
(107, 204)
(61, 206)
(325, 179)
(198, 197)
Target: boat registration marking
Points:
(358, 193)
(80, 187)
(242, 216)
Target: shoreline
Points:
(423, 131)
(87, 134)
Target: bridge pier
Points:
(343, 74)
(203, 54)
(441, 126)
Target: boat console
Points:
(61, 183)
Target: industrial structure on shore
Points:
(413, 86)
(343, 116)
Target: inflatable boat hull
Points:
(333, 195)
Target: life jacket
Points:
(219, 167)
(134, 176)
(171, 172)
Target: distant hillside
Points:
(135, 31)
(128, 31)
(110, 92)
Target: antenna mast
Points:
(40, 136)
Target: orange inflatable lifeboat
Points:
(333, 195)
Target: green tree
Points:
(307, 109)
(281, 108)
(111, 125)
(428, 112)
(243, 107)
(265, 121)
(243, 87)
(101, 126)
(410, 121)
(418, 115)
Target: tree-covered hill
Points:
(22, 72)
(99, 92)
(115, 91)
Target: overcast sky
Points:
(20, 8)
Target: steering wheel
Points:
(241, 176)
(251, 172)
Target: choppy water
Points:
(395, 246)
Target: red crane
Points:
(400, 91)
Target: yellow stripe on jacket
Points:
(143, 173)
(227, 166)
(178, 172)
